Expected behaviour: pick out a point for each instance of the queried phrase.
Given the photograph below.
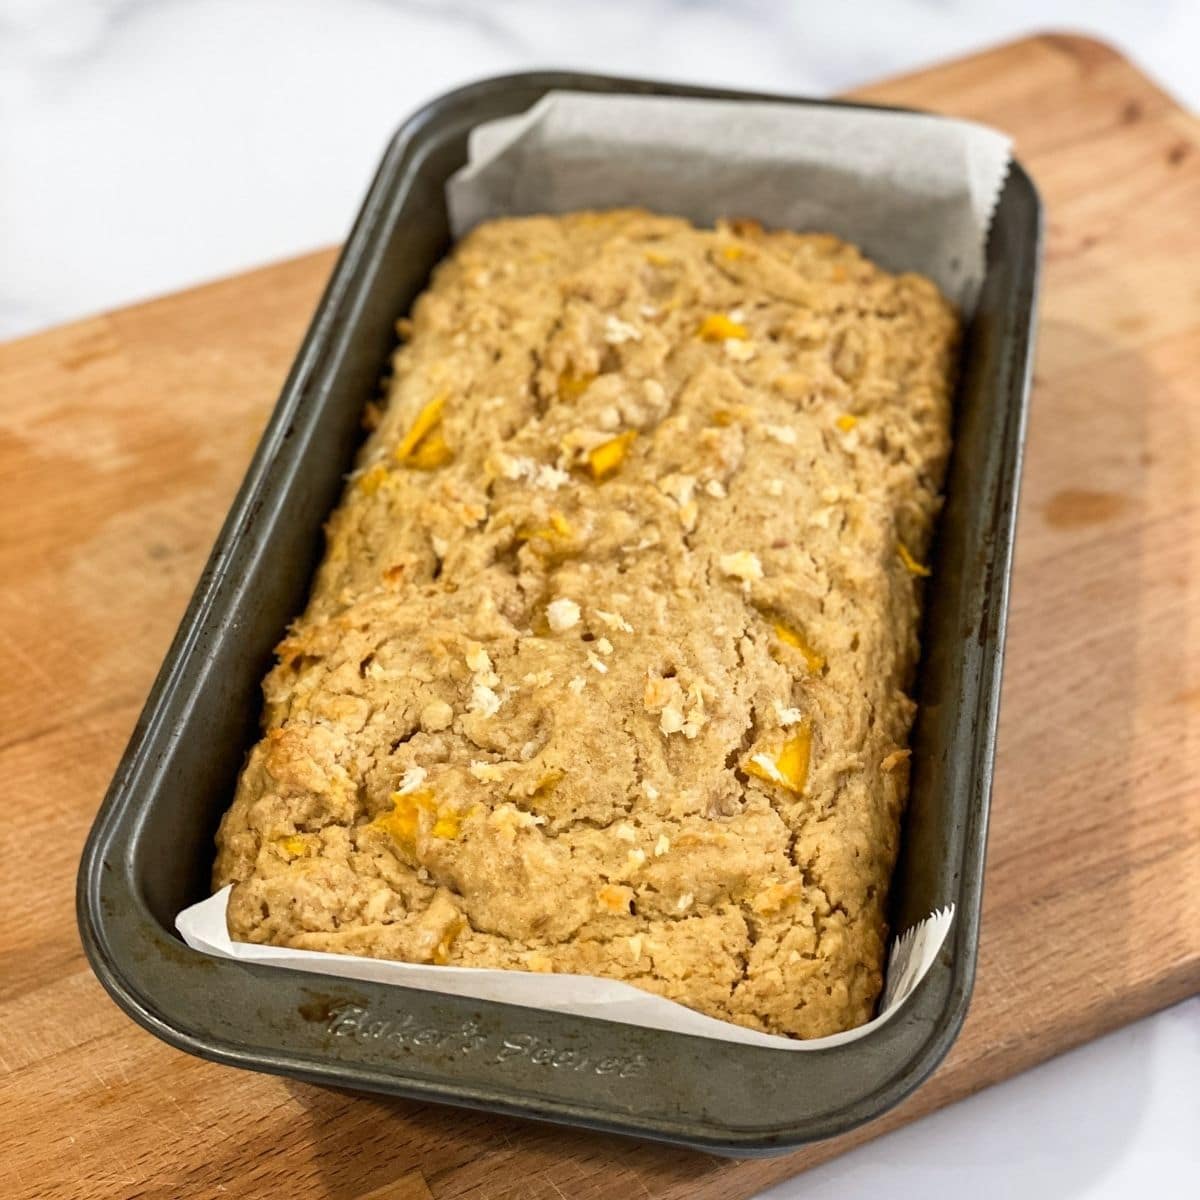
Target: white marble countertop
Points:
(148, 146)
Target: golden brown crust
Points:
(604, 670)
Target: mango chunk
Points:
(414, 812)
(788, 766)
(403, 823)
(608, 456)
(428, 419)
(790, 637)
(431, 453)
(717, 327)
(447, 826)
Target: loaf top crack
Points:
(605, 668)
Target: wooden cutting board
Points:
(124, 437)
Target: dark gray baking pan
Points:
(151, 849)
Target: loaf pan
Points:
(151, 848)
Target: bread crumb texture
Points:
(605, 668)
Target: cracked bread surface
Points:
(604, 670)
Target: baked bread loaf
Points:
(605, 668)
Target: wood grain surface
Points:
(124, 437)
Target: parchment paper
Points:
(915, 192)
(203, 928)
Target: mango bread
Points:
(605, 669)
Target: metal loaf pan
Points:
(151, 848)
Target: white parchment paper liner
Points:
(203, 927)
(915, 192)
